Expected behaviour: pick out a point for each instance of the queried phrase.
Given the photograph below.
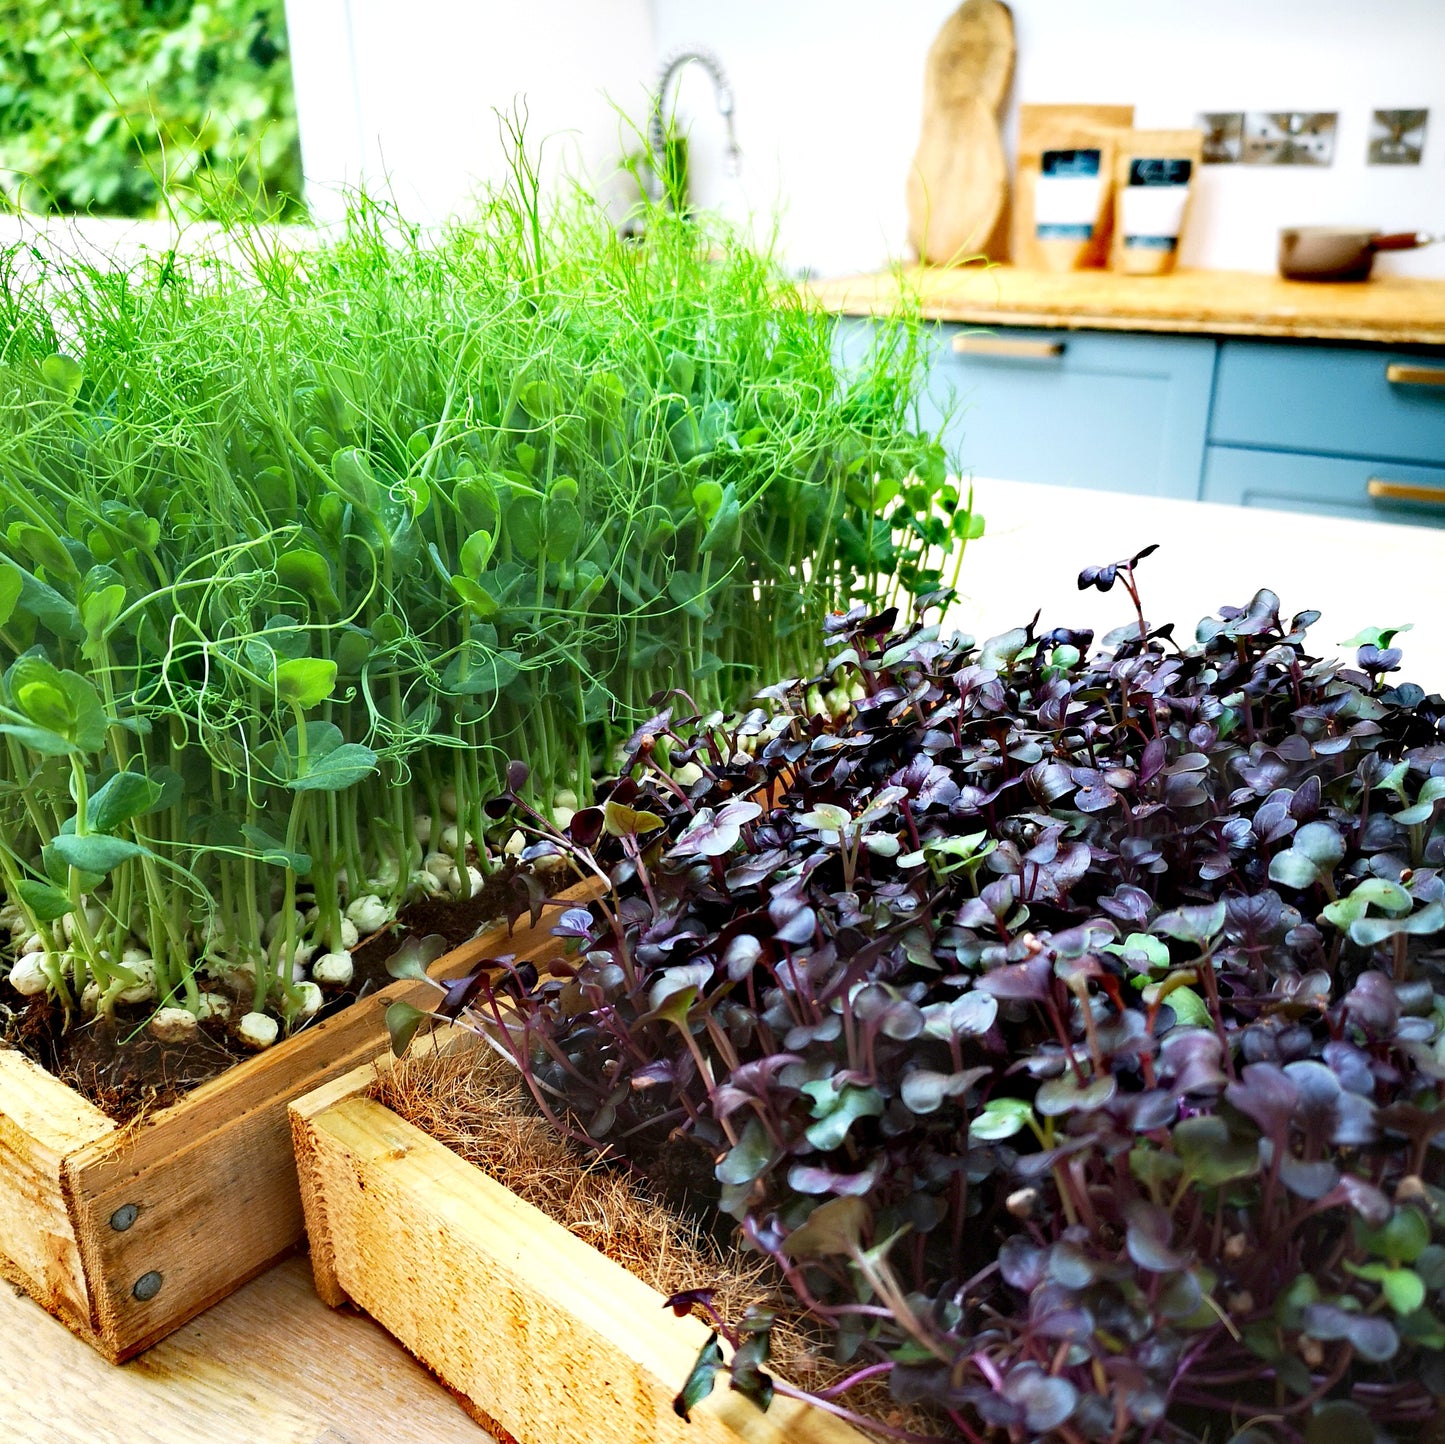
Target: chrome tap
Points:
(673, 67)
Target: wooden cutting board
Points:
(958, 184)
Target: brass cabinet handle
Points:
(1400, 373)
(1383, 490)
(1010, 346)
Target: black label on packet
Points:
(1069, 162)
(1157, 171)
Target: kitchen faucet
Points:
(657, 139)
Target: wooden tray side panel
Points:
(41, 1120)
(213, 1178)
(546, 1337)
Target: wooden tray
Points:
(545, 1339)
(125, 1233)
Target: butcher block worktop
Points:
(1392, 310)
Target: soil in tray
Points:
(125, 1072)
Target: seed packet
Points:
(1154, 174)
(1064, 186)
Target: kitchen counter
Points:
(1392, 310)
(1038, 538)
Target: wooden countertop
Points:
(269, 1365)
(1390, 309)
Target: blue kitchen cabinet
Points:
(1330, 400)
(1119, 412)
(1359, 487)
(1342, 431)
(1116, 411)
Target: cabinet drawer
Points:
(1369, 490)
(1337, 401)
(1076, 408)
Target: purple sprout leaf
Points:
(1190, 1059)
(1127, 904)
(1022, 1263)
(700, 1381)
(753, 869)
(1192, 924)
(1148, 1237)
(813, 1179)
(460, 992)
(896, 1017)
(1372, 1338)
(586, 826)
(835, 1227)
(1265, 1093)
(1212, 1155)
(683, 1303)
(402, 1022)
(1028, 982)
(924, 1090)
(574, 923)
(1305, 1179)
(741, 956)
(1047, 1400)
(752, 1153)
(837, 1106)
(793, 920)
(712, 834)
(1065, 1094)
(416, 955)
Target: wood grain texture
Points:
(41, 1121)
(545, 1336)
(1394, 310)
(958, 183)
(269, 1365)
(212, 1178)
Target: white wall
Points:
(404, 94)
(829, 103)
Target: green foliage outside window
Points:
(134, 107)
